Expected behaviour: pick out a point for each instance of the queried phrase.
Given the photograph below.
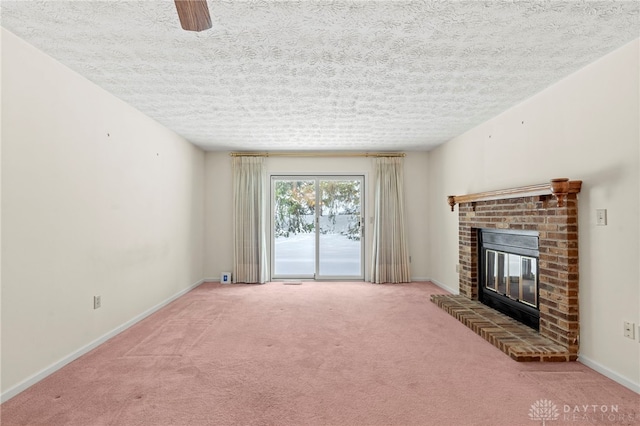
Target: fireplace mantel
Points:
(559, 188)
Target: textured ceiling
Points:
(318, 75)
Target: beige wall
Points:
(97, 199)
(585, 127)
(218, 197)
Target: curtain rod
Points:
(317, 154)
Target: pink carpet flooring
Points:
(314, 354)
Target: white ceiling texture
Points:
(325, 75)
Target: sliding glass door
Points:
(339, 228)
(293, 252)
(317, 227)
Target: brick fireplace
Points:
(553, 215)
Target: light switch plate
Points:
(629, 330)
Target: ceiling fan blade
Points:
(193, 14)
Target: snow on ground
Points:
(339, 256)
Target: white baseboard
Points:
(627, 383)
(444, 287)
(15, 390)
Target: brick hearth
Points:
(520, 342)
(557, 225)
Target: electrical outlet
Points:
(629, 330)
(458, 268)
(97, 302)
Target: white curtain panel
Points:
(390, 254)
(249, 213)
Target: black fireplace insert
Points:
(508, 273)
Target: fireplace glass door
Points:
(512, 275)
(502, 272)
(529, 278)
(509, 274)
